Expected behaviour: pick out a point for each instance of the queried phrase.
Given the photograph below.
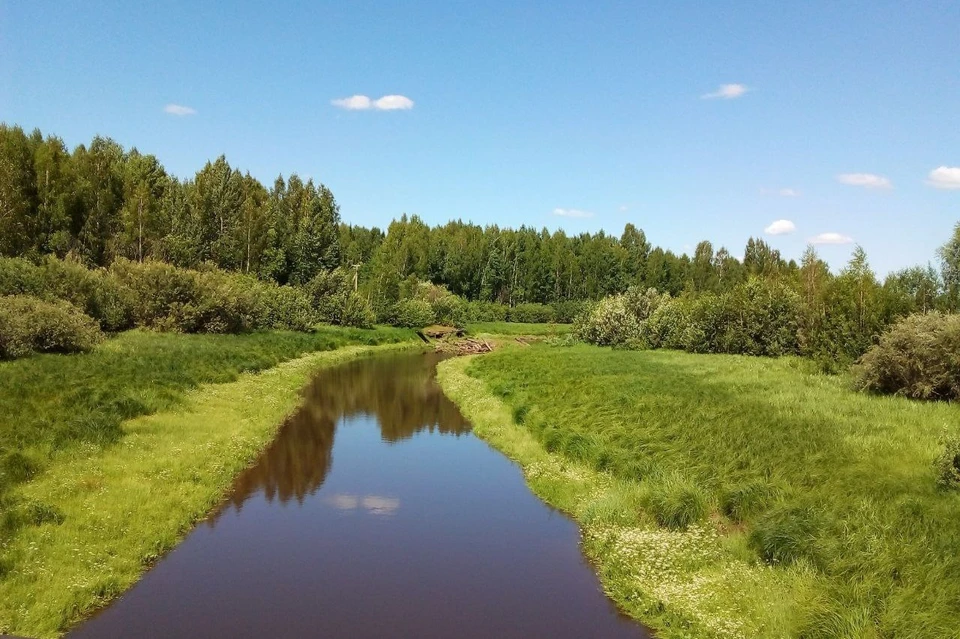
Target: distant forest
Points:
(100, 202)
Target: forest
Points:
(120, 215)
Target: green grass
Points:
(733, 496)
(50, 403)
(98, 516)
(518, 328)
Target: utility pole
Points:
(356, 275)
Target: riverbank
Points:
(99, 515)
(723, 496)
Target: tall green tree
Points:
(949, 255)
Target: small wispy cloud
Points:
(831, 238)
(781, 227)
(364, 103)
(945, 177)
(781, 192)
(572, 213)
(624, 208)
(726, 92)
(179, 109)
(866, 180)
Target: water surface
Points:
(374, 513)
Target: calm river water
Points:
(374, 513)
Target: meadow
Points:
(111, 456)
(726, 495)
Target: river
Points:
(374, 513)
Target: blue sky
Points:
(833, 116)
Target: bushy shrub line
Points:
(55, 294)
(423, 303)
(755, 318)
(30, 325)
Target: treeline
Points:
(99, 205)
(904, 331)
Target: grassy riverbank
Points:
(148, 432)
(732, 496)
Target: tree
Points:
(99, 171)
(949, 255)
(144, 182)
(18, 195)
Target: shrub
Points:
(357, 312)
(918, 357)
(566, 312)
(677, 503)
(786, 534)
(486, 312)
(450, 310)
(413, 313)
(666, 326)
(947, 464)
(96, 292)
(28, 325)
(530, 313)
(167, 298)
(609, 323)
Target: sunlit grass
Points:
(742, 496)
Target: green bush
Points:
(947, 464)
(168, 298)
(450, 310)
(567, 311)
(677, 503)
(667, 325)
(609, 323)
(357, 312)
(413, 313)
(530, 313)
(95, 291)
(29, 325)
(486, 312)
(918, 357)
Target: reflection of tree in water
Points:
(399, 391)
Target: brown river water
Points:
(374, 513)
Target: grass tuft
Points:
(678, 503)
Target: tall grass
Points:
(50, 403)
(795, 470)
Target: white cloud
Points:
(781, 227)
(831, 238)
(866, 180)
(393, 102)
(572, 213)
(726, 92)
(945, 177)
(353, 103)
(363, 103)
(624, 208)
(789, 192)
(179, 109)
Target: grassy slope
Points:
(518, 328)
(843, 482)
(51, 402)
(121, 506)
